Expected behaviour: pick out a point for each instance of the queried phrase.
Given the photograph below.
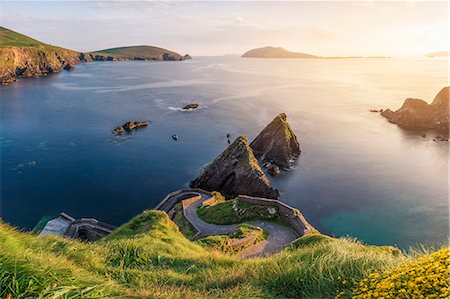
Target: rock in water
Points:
(236, 171)
(417, 113)
(129, 126)
(277, 143)
(191, 106)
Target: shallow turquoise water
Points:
(358, 175)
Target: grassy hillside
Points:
(149, 257)
(22, 56)
(9, 38)
(142, 52)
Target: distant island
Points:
(275, 52)
(24, 57)
(279, 52)
(439, 54)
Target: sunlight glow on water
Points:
(358, 175)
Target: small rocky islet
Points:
(276, 145)
(237, 170)
(129, 126)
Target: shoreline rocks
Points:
(277, 144)
(418, 114)
(236, 172)
(129, 126)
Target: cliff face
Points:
(23, 56)
(417, 113)
(236, 172)
(277, 143)
(34, 61)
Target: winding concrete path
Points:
(279, 235)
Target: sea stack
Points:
(277, 143)
(236, 172)
(416, 113)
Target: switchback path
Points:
(279, 235)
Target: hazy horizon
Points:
(361, 28)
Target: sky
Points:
(367, 28)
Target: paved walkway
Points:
(279, 235)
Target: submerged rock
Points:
(419, 114)
(277, 143)
(236, 172)
(191, 106)
(131, 125)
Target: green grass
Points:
(150, 258)
(148, 52)
(242, 238)
(235, 211)
(183, 224)
(9, 38)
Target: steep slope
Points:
(236, 171)
(272, 52)
(22, 56)
(148, 257)
(139, 53)
(277, 143)
(417, 113)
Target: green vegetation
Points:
(149, 257)
(236, 211)
(9, 38)
(183, 224)
(216, 199)
(242, 238)
(22, 55)
(144, 52)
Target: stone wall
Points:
(287, 213)
(177, 196)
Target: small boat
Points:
(175, 137)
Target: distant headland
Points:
(279, 52)
(24, 57)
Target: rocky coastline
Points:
(418, 114)
(24, 57)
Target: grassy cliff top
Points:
(9, 38)
(149, 257)
(147, 52)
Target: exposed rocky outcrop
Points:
(236, 171)
(190, 106)
(418, 114)
(27, 62)
(187, 56)
(277, 143)
(129, 126)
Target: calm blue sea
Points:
(358, 175)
